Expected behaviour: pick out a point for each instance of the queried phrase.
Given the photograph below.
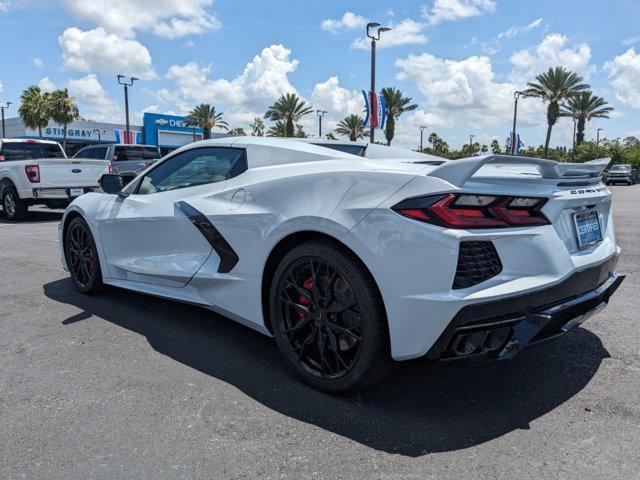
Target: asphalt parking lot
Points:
(128, 386)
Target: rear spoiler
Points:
(459, 172)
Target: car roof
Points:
(28, 140)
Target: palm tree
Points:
(35, 108)
(64, 110)
(278, 130)
(495, 147)
(397, 104)
(553, 87)
(237, 131)
(257, 127)
(205, 117)
(351, 126)
(288, 108)
(583, 107)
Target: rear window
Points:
(352, 149)
(29, 151)
(136, 153)
(621, 168)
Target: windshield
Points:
(29, 151)
(136, 153)
(621, 168)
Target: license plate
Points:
(76, 192)
(588, 228)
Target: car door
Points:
(151, 235)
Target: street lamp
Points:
(573, 151)
(2, 107)
(422, 127)
(516, 95)
(598, 137)
(320, 114)
(99, 132)
(375, 36)
(471, 137)
(126, 85)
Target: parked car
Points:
(36, 172)
(350, 262)
(124, 158)
(622, 173)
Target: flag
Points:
(132, 137)
(376, 110)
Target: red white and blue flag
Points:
(132, 137)
(376, 110)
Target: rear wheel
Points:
(328, 318)
(82, 257)
(13, 207)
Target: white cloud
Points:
(552, 51)
(248, 95)
(37, 61)
(495, 45)
(337, 101)
(97, 50)
(404, 32)
(624, 74)
(442, 10)
(46, 85)
(93, 101)
(167, 18)
(6, 5)
(1, 87)
(349, 21)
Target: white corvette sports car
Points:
(350, 262)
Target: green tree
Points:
(257, 127)
(35, 108)
(278, 130)
(351, 126)
(437, 145)
(495, 147)
(552, 87)
(583, 107)
(331, 136)
(205, 117)
(237, 131)
(64, 110)
(397, 104)
(289, 108)
(300, 133)
(484, 149)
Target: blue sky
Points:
(459, 59)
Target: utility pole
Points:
(598, 137)
(126, 85)
(573, 151)
(320, 114)
(516, 95)
(375, 37)
(422, 127)
(2, 107)
(471, 144)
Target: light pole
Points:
(126, 85)
(99, 132)
(471, 144)
(422, 127)
(573, 151)
(320, 114)
(2, 107)
(516, 95)
(598, 137)
(374, 38)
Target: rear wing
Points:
(459, 172)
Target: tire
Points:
(335, 307)
(82, 259)
(14, 209)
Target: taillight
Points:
(33, 173)
(2, 158)
(110, 169)
(475, 211)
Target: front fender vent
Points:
(477, 261)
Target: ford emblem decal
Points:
(76, 170)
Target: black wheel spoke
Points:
(80, 255)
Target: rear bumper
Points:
(500, 329)
(60, 193)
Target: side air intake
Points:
(477, 262)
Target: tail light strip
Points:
(475, 211)
(33, 173)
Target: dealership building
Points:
(165, 131)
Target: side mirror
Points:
(111, 183)
(127, 177)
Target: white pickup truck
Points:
(37, 172)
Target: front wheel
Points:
(13, 207)
(328, 318)
(82, 257)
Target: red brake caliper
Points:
(303, 299)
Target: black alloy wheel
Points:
(328, 318)
(82, 257)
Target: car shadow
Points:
(422, 408)
(35, 216)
